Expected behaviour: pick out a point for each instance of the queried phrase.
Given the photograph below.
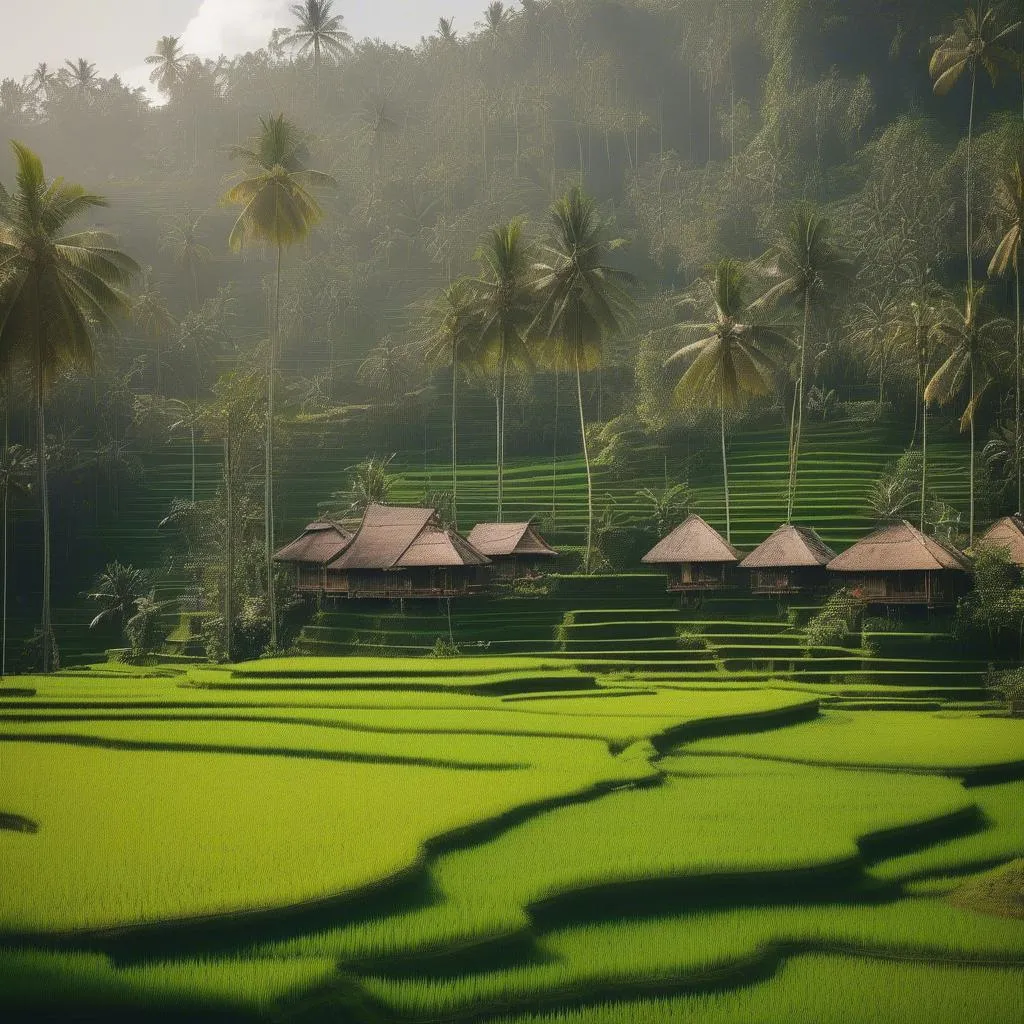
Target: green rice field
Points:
(547, 838)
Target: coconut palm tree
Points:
(454, 326)
(978, 39)
(583, 301)
(81, 75)
(505, 310)
(16, 465)
(974, 336)
(805, 267)
(728, 356)
(182, 240)
(446, 30)
(150, 314)
(42, 78)
(319, 33)
(278, 209)
(54, 289)
(495, 16)
(117, 589)
(1008, 214)
(170, 64)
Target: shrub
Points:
(146, 629)
(687, 640)
(834, 624)
(1010, 686)
(445, 647)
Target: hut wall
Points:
(696, 576)
(309, 578)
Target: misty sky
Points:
(118, 34)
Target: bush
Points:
(445, 647)
(1010, 686)
(687, 640)
(835, 623)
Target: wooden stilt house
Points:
(309, 554)
(899, 565)
(695, 557)
(791, 561)
(401, 552)
(515, 549)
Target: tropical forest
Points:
(523, 528)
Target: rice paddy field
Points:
(546, 838)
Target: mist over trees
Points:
(889, 136)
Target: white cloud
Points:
(233, 26)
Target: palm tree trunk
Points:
(970, 528)
(44, 500)
(501, 436)
(455, 434)
(497, 439)
(798, 412)
(269, 471)
(586, 462)
(192, 431)
(917, 410)
(8, 393)
(967, 202)
(725, 476)
(554, 458)
(924, 455)
(195, 290)
(229, 542)
(1016, 381)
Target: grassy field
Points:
(372, 841)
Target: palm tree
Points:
(150, 314)
(53, 289)
(974, 337)
(170, 65)
(454, 327)
(978, 38)
(876, 325)
(446, 30)
(806, 268)
(82, 75)
(583, 301)
(182, 240)
(495, 16)
(42, 78)
(118, 589)
(278, 209)
(1008, 204)
(16, 464)
(320, 33)
(505, 309)
(728, 356)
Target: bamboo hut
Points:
(401, 552)
(791, 561)
(1007, 534)
(515, 549)
(695, 557)
(321, 542)
(899, 565)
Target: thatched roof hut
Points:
(406, 552)
(695, 555)
(898, 564)
(321, 542)
(1008, 534)
(791, 561)
(515, 549)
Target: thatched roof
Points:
(899, 547)
(501, 539)
(394, 537)
(789, 547)
(319, 543)
(1008, 533)
(692, 541)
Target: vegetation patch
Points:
(999, 893)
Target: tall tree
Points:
(170, 65)
(54, 289)
(584, 301)
(1008, 211)
(974, 336)
(16, 465)
(278, 209)
(81, 75)
(805, 268)
(979, 38)
(319, 33)
(190, 254)
(495, 16)
(505, 307)
(446, 30)
(454, 326)
(728, 356)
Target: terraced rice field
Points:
(525, 840)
